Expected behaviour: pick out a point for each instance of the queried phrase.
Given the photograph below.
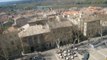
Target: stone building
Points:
(60, 31)
(86, 22)
(40, 35)
(32, 37)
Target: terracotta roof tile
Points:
(71, 12)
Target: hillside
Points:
(54, 3)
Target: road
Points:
(50, 55)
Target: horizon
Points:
(8, 0)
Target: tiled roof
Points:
(36, 19)
(91, 10)
(54, 25)
(89, 18)
(34, 30)
(71, 12)
(3, 18)
(41, 29)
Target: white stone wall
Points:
(85, 29)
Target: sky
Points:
(8, 0)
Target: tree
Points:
(59, 36)
(101, 30)
(10, 45)
(4, 52)
(77, 33)
(58, 43)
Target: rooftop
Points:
(90, 18)
(36, 19)
(91, 10)
(34, 30)
(55, 24)
(71, 12)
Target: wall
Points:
(48, 40)
(92, 28)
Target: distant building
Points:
(85, 22)
(21, 21)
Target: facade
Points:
(41, 35)
(91, 28)
(86, 23)
(32, 37)
(104, 27)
